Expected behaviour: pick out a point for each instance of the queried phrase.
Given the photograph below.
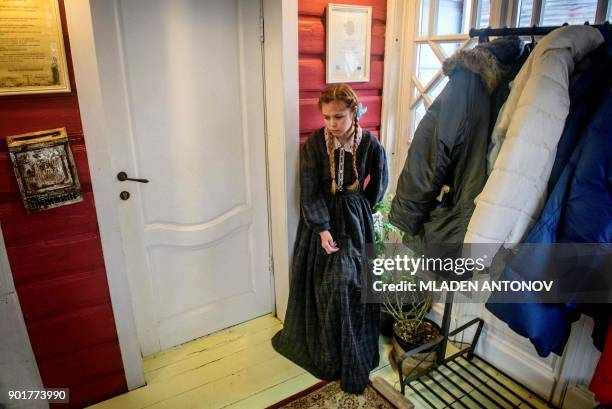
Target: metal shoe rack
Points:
(487, 391)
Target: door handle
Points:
(122, 176)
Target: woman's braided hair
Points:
(345, 94)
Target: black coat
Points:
(450, 145)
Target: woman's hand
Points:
(328, 243)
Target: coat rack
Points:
(484, 33)
(438, 378)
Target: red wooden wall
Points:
(56, 260)
(311, 45)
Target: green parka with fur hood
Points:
(450, 145)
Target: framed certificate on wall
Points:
(349, 34)
(32, 55)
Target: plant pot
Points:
(408, 345)
(412, 365)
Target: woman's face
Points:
(338, 118)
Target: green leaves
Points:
(383, 229)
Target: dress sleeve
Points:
(379, 174)
(313, 207)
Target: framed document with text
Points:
(32, 55)
(349, 33)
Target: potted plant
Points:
(412, 330)
(403, 315)
(411, 327)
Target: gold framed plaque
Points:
(349, 34)
(32, 54)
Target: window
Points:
(556, 12)
(525, 8)
(484, 14)
(442, 30)
(439, 28)
(449, 16)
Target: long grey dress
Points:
(328, 330)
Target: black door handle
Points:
(122, 176)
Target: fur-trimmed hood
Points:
(490, 61)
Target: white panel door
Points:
(184, 93)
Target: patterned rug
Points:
(328, 395)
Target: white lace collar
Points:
(348, 146)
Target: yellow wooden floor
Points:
(237, 368)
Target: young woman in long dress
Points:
(328, 330)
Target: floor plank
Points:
(228, 335)
(200, 358)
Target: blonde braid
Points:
(332, 161)
(355, 184)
